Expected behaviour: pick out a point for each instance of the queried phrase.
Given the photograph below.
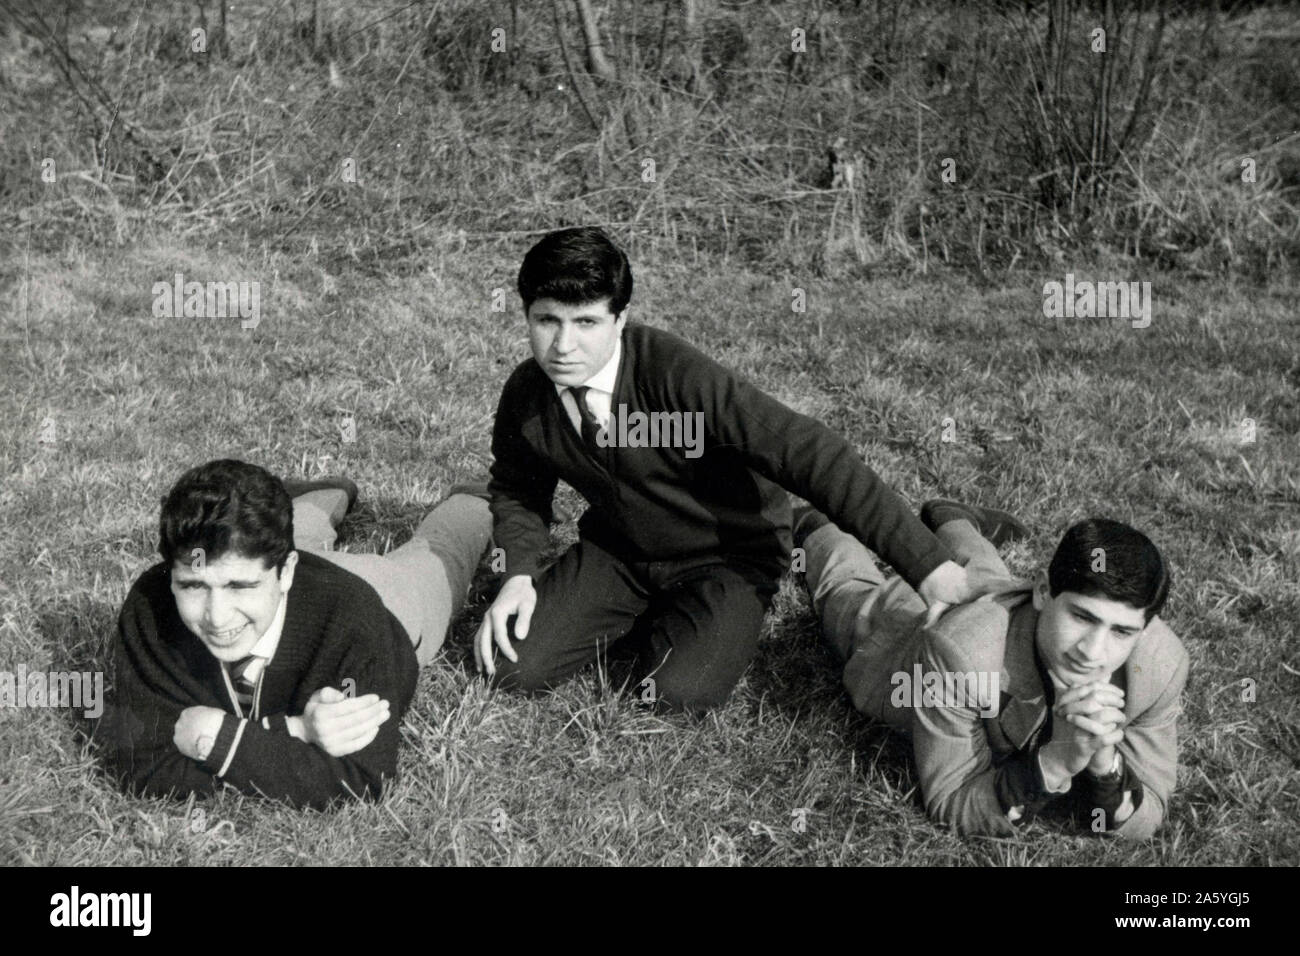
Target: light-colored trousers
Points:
(424, 583)
(872, 626)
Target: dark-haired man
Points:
(254, 656)
(1068, 685)
(683, 464)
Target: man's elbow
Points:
(968, 816)
(151, 784)
(141, 774)
(1144, 821)
(359, 787)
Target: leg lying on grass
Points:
(425, 581)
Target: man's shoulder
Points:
(151, 580)
(1159, 661)
(662, 360)
(527, 375)
(151, 590)
(331, 606)
(332, 585)
(646, 340)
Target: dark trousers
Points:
(696, 621)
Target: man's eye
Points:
(189, 586)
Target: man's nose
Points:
(216, 609)
(563, 339)
(1093, 645)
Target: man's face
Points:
(230, 602)
(1084, 638)
(573, 342)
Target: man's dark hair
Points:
(225, 507)
(1132, 569)
(576, 266)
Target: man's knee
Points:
(691, 694)
(540, 665)
(525, 676)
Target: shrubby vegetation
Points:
(785, 135)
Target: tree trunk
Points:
(694, 34)
(597, 63)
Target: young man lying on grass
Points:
(683, 463)
(1070, 685)
(254, 656)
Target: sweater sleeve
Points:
(150, 691)
(522, 486)
(807, 458)
(1150, 753)
(261, 757)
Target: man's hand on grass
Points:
(338, 724)
(517, 598)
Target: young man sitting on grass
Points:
(254, 656)
(1070, 685)
(683, 463)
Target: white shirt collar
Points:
(268, 642)
(606, 378)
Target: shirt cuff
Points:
(926, 565)
(522, 562)
(1059, 784)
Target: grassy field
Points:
(126, 156)
(1055, 419)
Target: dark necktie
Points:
(244, 687)
(589, 424)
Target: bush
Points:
(829, 156)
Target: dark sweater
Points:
(659, 504)
(335, 629)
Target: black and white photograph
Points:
(682, 433)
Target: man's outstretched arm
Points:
(807, 458)
(522, 488)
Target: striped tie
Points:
(244, 687)
(589, 424)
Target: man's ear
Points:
(286, 572)
(1042, 590)
(621, 321)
